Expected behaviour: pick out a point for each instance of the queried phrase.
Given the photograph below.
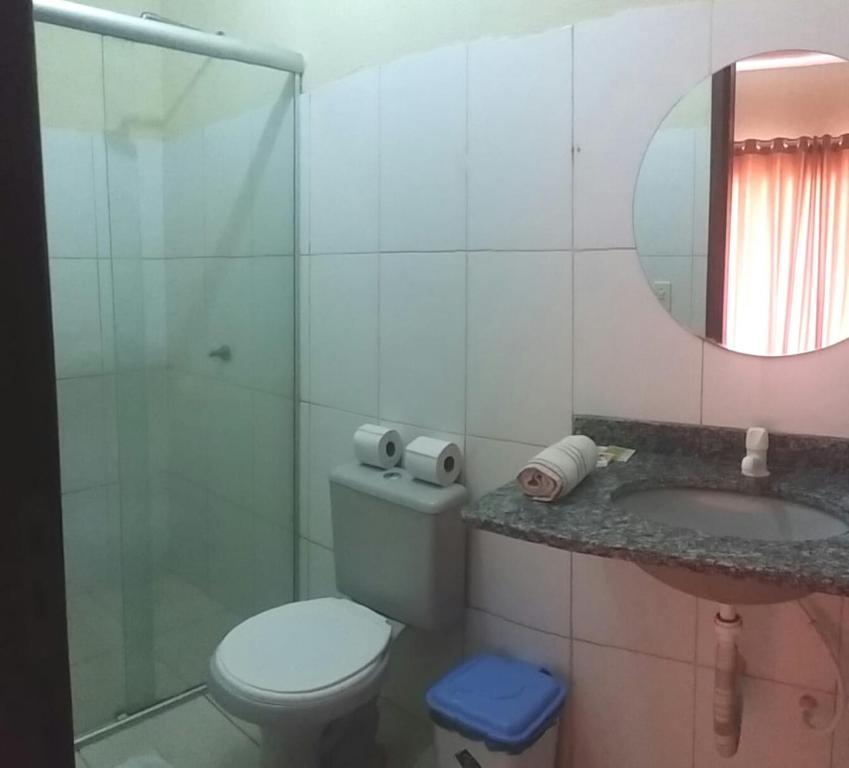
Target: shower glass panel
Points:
(170, 206)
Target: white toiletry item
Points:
(757, 443)
(434, 461)
(554, 472)
(377, 446)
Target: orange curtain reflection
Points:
(787, 281)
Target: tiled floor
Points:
(196, 734)
(187, 625)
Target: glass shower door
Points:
(200, 159)
(170, 186)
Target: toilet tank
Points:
(399, 545)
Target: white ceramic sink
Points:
(724, 513)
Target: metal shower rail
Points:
(165, 35)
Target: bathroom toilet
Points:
(309, 673)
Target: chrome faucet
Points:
(757, 444)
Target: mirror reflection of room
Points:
(747, 244)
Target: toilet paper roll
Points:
(434, 461)
(377, 446)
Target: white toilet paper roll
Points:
(377, 446)
(434, 461)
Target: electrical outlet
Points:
(663, 290)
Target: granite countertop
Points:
(807, 470)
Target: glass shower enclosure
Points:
(170, 194)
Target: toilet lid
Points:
(304, 647)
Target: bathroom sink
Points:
(725, 513)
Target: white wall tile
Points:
(773, 734)
(228, 191)
(186, 315)
(82, 432)
(422, 339)
(520, 346)
(788, 394)
(330, 444)
(491, 463)
(92, 529)
(520, 142)
(274, 459)
(678, 272)
(69, 193)
(188, 527)
(189, 424)
(344, 165)
(739, 30)
(272, 176)
(107, 314)
(319, 571)
(344, 331)
(636, 361)
(112, 415)
(129, 296)
(840, 756)
(158, 425)
(151, 161)
(302, 446)
(423, 152)
(303, 274)
(101, 198)
(698, 300)
(526, 583)
(664, 198)
(485, 632)
(155, 308)
(124, 206)
(615, 603)
(272, 313)
(231, 555)
(672, 45)
(75, 299)
(305, 171)
(230, 446)
(227, 290)
(630, 709)
(182, 177)
(777, 642)
(273, 565)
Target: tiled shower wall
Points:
(469, 271)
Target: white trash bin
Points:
(494, 712)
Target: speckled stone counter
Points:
(676, 456)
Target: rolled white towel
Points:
(554, 472)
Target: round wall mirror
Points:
(741, 211)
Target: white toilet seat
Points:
(316, 658)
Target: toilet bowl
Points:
(309, 673)
(299, 669)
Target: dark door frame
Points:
(35, 694)
(721, 159)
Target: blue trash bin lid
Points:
(506, 703)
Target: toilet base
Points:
(348, 742)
